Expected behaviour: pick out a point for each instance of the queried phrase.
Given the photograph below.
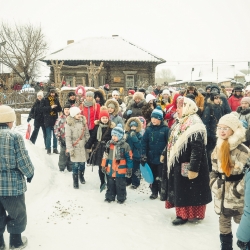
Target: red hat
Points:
(131, 91)
(103, 112)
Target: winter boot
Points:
(49, 151)
(81, 176)
(2, 244)
(179, 221)
(18, 242)
(75, 181)
(226, 241)
(55, 151)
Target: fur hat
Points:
(71, 93)
(7, 114)
(115, 92)
(138, 95)
(191, 88)
(103, 112)
(74, 111)
(90, 93)
(238, 88)
(245, 99)
(118, 131)
(231, 121)
(157, 113)
(40, 93)
(165, 92)
(142, 90)
(150, 97)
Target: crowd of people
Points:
(195, 141)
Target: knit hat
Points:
(231, 121)
(71, 94)
(215, 88)
(165, 92)
(245, 99)
(208, 87)
(111, 105)
(157, 113)
(40, 93)
(118, 131)
(7, 114)
(115, 92)
(52, 90)
(213, 95)
(138, 95)
(74, 111)
(90, 94)
(247, 88)
(150, 97)
(131, 91)
(103, 112)
(133, 123)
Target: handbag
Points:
(185, 168)
(28, 132)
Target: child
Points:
(76, 134)
(98, 139)
(117, 164)
(133, 138)
(226, 179)
(59, 130)
(153, 143)
(144, 124)
(113, 109)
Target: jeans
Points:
(36, 131)
(78, 166)
(50, 130)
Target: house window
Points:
(69, 80)
(130, 81)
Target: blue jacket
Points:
(243, 232)
(154, 141)
(134, 142)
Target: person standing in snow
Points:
(76, 134)
(117, 164)
(15, 163)
(59, 130)
(113, 109)
(234, 100)
(117, 97)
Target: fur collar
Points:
(137, 120)
(112, 124)
(71, 121)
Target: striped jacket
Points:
(117, 168)
(15, 163)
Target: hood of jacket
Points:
(137, 120)
(116, 104)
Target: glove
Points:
(29, 179)
(132, 133)
(143, 160)
(28, 120)
(162, 158)
(104, 170)
(129, 173)
(129, 112)
(192, 175)
(242, 245)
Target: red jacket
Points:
(91, 113)
(171, 110)
(234, 102)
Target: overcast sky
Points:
(176, 30)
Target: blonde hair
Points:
(226, 162)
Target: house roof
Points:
(113, 48)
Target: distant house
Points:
(125, 65)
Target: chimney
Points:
(70, 41)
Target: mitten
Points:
(242, 245)
(162, 158)
(104, 170)
(28, 120)
(132, 133)
(192, 175)
(143, 160)
(129, 112)
(29, 179)
(129, 173)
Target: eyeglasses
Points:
(223, 128)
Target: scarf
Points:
(186, 128)
(52, 102)
(88, 103)
(99, 131)
(117, 154)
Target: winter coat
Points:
(224, 103)
(210, 117)
(72, 103)
(114, 117)
(199, 99)
(114, 167)
(229, 196)
(122, 106)
(182, 192)
(101, 94)
(73, 131)
(15, 163)
(50, 115)
(154, 141)
(128, 100)
(234, 102)
(133, 138)
(136, 109)
(243, 231)
(147, 111)
(36, 113)
(91, 114)
(97, 153)
(59, 129)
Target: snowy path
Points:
(60, 217)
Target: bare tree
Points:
(164, 75)
(25, 45)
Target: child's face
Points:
(115, 138)
(224, 131)
(78, 116)
(89, 98)
(116, 97)
(66, 111)
(133, 128)
(155, 121)
(110, 110)
(104, 119)
(244, 105)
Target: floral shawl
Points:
(185, 128)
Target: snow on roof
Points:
(112, 48)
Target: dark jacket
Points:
(136, 109)
(154, 141)
(183, 192)
(50, 115)
(147, 111)
(36, 113)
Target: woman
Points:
(187, 168)
(149, 107)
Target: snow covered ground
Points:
(60, 217)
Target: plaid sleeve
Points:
(23, 162)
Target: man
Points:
(157, 91)
(14, 165)
(71, 99)
(50, 106)
(235, 100)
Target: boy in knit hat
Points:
(229, 159)
(153, 143)
(117, 164)
(133, 137)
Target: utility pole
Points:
(212, 65)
